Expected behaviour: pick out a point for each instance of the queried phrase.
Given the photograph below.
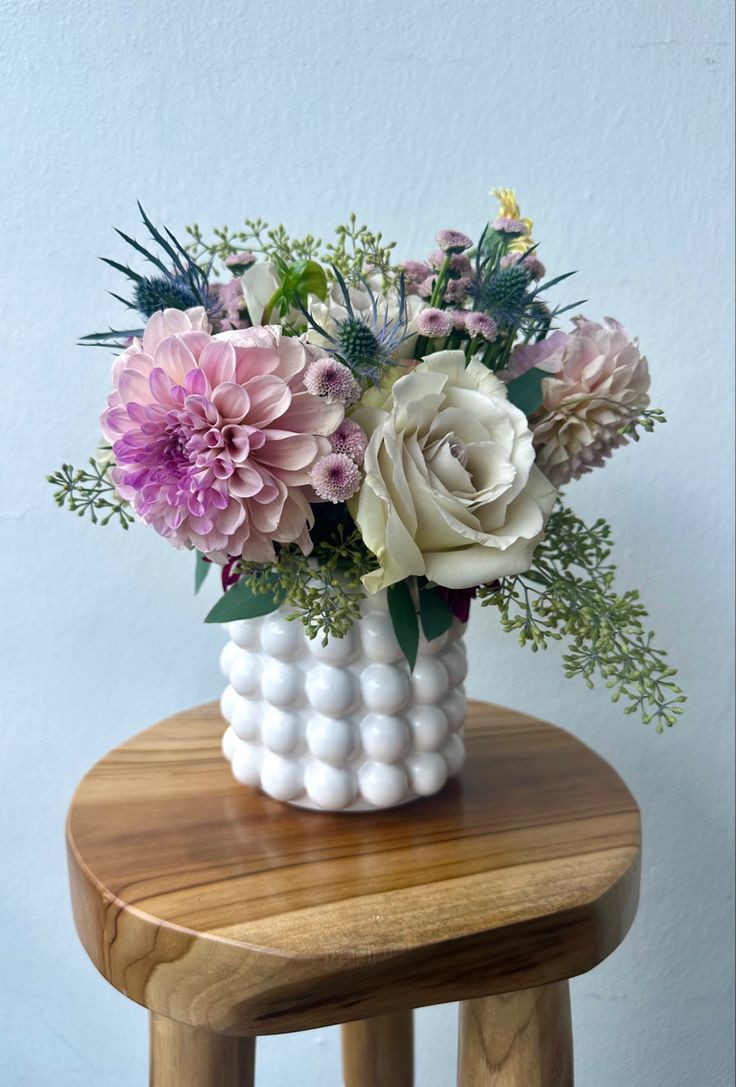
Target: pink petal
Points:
(269, 399)
(231, 401)
(218, 362)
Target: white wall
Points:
(612, 120)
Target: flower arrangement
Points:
(322, 421)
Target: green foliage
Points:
(359, 251)
(356, 251)
(201, 570)
(526, 391)
(403, 614)
(298, 280)
(243, 602)
(568, 593)
(434, 611)
(324, 591)
(646, 422)
(90, 492)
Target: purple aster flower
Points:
(336, 477)
(434, 323)
(453, 241)
(480, 324)
(350, 439)
(332, 380)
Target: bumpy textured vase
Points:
(342, 727)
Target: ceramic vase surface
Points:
(343, 726)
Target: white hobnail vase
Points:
(343, 726)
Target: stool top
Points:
(212, 904)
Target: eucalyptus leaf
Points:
(201, 570)
(435, 613)
(525, 392)
(240, 602)
(405, 621)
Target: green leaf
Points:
(201, 570)
(435, 613)
(404, 618)
(240, 602)
(525, 392)
(313, 280)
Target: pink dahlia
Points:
(600, 384)
(214, 437)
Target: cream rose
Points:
(451, 490)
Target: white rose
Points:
(451, 490)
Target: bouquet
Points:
(324, 421)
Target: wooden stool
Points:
(229, 915)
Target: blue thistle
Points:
(366, 345)
(182, 284)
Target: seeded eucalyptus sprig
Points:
(355, 252)
(323, 591)
(90, 492)
(568, 593)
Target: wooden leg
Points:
(183, 1056)
(519, 1039)
(379, 1052)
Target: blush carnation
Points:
(332, 380)
(336, 477)
(214, 437)
(350, 438)
(601, 383)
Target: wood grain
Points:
(183, 1056)
(517, 1039)
(379, 1052)
(212, 904)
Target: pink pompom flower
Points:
(434, 323)
(239, 262)
(336, 477)
(332, 380)
(453, 241)
(480, 324)
(214, 437)
(351, 439)
(508, 226)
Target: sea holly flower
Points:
(214, 437)
(451, 491)
(531, 262)
(362, 329)
(599, 384)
